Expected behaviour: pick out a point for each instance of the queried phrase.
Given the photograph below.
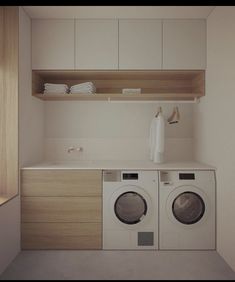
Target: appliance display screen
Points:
(130, 176)
(186, 176)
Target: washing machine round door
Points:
(130, 207)
(188, 207)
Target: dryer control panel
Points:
(118, 176)
(187, 176)
(171, 177)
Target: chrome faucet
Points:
(72, 149)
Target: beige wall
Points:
(30, 144)
(113, 130)
(214, 123)
(9, 232)
(31, 109)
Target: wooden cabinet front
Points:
(61, 209)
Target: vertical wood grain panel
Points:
(9, 38)
(2, 109)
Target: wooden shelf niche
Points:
(155, 85)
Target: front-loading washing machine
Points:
(130, 209)
(187, 210)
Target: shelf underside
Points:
(118, 97)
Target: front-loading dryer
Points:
(187, 210)
(130, 209)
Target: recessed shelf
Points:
(155, 85)
(115, 97)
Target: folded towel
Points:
(52, 88)
(160, 139)
(82, 91)
(131, 90)
(55, 92)
(89, 83)
(88, 86)
(83, 88)
(55, 85)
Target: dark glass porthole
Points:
(188, 207)
(130, 207)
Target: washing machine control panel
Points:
(171, 177)
(130, 176)
(118, 176)
(187, 176)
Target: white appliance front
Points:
(187, 210)
(130, 209)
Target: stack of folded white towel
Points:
(86, 88)
(51, 88)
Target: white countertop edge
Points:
(119, 165)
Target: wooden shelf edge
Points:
(118, 97)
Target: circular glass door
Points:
(188, 207)
(130, 207)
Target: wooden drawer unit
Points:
(61, 235)
(61, 209)
(61, 182)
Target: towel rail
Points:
(195, 101)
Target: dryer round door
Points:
(130, 205)
(187, 205)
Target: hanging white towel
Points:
(152, 137)
(160, 139)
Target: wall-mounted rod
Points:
(158, 102)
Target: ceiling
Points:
(84, 12)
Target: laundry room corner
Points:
(117, 142)
(214, 137)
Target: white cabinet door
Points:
(96, 44)
(184, 44)
(140, 44)
(53, 44)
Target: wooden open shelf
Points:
(155, 85)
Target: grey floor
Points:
(119, 265)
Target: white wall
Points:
(214, 123)
(9, 232)
(31, 136)
(31, 109)
(113, 130)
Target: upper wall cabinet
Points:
(53, 44)
(184, 44)
(128, 44)
(96, 44)
(140, 44)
